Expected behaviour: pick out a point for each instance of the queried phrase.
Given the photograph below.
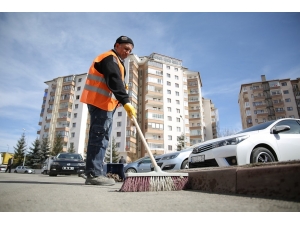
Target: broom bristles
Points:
(154, 183)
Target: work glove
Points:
(130, 110)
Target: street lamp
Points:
(25, 148)
(183, 131)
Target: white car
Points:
(24, 169)
(267, 142)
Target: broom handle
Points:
(156, 167)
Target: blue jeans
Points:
(99, 134)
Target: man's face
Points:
(123, 49)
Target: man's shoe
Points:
(101, 180)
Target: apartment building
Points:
(269, 100)
(167, 97)
(63, 113)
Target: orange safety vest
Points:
(95, 91)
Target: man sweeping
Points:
(103, 91)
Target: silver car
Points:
(141, 165)
(174, 160)
(24, 169)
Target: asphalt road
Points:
(41, 193)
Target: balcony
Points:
(154, 102)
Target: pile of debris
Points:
(116, 177)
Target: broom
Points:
(156, 180)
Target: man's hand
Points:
(130, 110)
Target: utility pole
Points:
(25, 148)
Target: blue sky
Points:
(227, 48)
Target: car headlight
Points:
(170, 156)
(81, 164)
(230, 141)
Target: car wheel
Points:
(185, 164)
(15, 171)
(26, 171)
(131, 170)
(261, 155)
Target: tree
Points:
(33, 154)
(226, 132)
(20, 151)
(181, 142)
(71, 149)
(45, 150)
(58, 144)
(115, 153)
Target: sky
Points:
(228, 48)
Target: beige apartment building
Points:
(269, 100)
(167, 97)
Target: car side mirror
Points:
(280, 128)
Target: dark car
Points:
(67, 164)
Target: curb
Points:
(271, 180)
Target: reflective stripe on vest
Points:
(95, 91)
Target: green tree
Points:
(20, 151)
(181, 142)
(71, 148)
(45, 150)
(115, 153)
(58, 144)
(33, 153)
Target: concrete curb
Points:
(271, 180)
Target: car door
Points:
(288, 142)
(144, 166)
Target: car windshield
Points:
(257, 127)
(69, 156)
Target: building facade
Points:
(166, 95)
(269, 100)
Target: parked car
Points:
(271, 141)
(175, 160)
(24, 169)
(141, 165)
(66, 164)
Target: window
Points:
(169, 100)
(118, 144)
(169, 128)
(77, 97)
(169, 109)
(168, 67)
(176, 85)
(78, 88)
(177, 102)
(169, 118)
(79, 80)
(170, 147)
(118, 134)
(168, 91)
(176, 69)
(76, 106)
(178, 119)
(168, 75)
(178, 110)
(283, 84)
(176, 77)
(73, 134)
(287, 100)
(176, 93)
(168, 83)
(170, 137)
(295, 127)
(74, 125)
(289, 108)
(285, 92)
(75, 115)
(119, 113)
(178, 129)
